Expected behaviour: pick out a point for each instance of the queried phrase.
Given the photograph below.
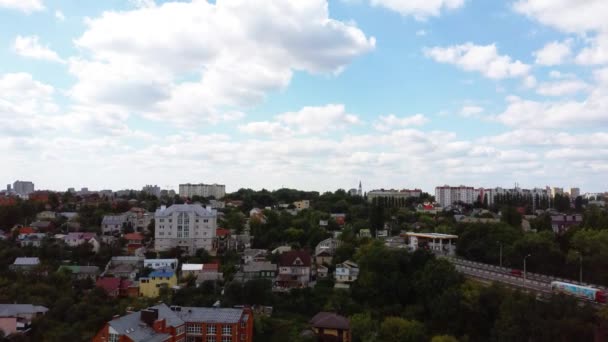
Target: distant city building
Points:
(301, 205)
(561, 223)
(187, 226)
(557, 191)
(356, 192)
(152, 190)
(203, 190)
(405, 193)
(575, 192)
(447, 195)
(23, 188)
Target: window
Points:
(113, 338)
(211, 338)
(180, 330)
(205, 220)
(211, 330)
(161, 220)
(195, 329)
(226, 339)
(227, 330)
(243, 337)
(243, 324)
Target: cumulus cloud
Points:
(562, 87)
(419, 9)
(470, 111)
(553, 53)
(26, 6)
(481, 58)
(59, 15)
(231, 53)
(391, 121)
(30, 47)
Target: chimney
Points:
(149, 316)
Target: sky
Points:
(315, 95)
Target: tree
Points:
(395, 329)
(364, 328)
(511, 216)
(444, 338)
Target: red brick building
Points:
(180, 324)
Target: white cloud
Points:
(572, 16)
(596, 53)
(265, 128)
(421, 33)
(419, 9)
(59, 15)
(561, 88)
(481, 58)
(232, 54)
(30, 47)
(391, 121)
(26, 6)
(553, 53)
(310, 120)
(470, 111)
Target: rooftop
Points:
(196, 208)
(432, 235)
(330, 320)
(209, 315)
(10, 310)
(27, 261)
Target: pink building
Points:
(17, 318)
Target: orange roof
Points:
(134, 236)
(211, 267)
(26, 230)
(222, 232)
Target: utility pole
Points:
(526, 257)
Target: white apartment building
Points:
(492, 193)
(447, 195)
(405, 193)
(23, 188)
(575, 192)
(204, 190)
(557, 191)
(187, 226)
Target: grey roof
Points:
(210, 315)
(10, 310)
(27, 261)
(113, 219)
(80, 269)
(178, 208)
(254, 252)
(257, 266)
(130, 326)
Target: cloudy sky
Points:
(308, 94)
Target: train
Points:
(583, 292)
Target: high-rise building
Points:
(575, 192)
(204, 190)
(556, 191)
(23, 188)
(187, 226)
(447, 195)
(152, 190)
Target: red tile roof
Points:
(108, 284)
(134, 236)
(27, 230)
(222, 232)
(214, 267)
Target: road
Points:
(538, 283)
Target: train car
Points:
(583, 292)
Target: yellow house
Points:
(150, 286)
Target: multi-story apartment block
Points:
(203, 190)
(180, 324)
(575, 192)
(152, 190)
(404, 193)
(23, 188)
(447, 195)
(187, 226)
(556, 191)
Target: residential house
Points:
(124, 267)
(346, 273)
(365, 233)
(339, 218)
(331, 327)
(163, 323)
(561, 223)
(34, 239)
(77, 239)
(118, 287)
(281, 250)
(17, 318)
(191, 270)
(257, 270)
(223, 241)
(322, 271)
(80, 272)
(70, 216)
(210, 271)
(139, 219)
(250, 255)
(112, 224)
(325, 250)
(25, 264)
(150, 286)
(157, 264)
(189, 227)
(294, 270)
(46, 215)
(301, 205)
(135, 241)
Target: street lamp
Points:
(500, 244)
(526, 257)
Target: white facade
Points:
(347, 272)
(204, 190)
(393, 194)
(187, 226)
(575, 192)
(158, 264)
(447, 195)
(301, 205)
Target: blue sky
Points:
(314, 95)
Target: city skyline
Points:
(311, 95)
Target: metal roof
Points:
(10, 310)
(432, 235)
(210, 315)
(178, 208)
(27, 261)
